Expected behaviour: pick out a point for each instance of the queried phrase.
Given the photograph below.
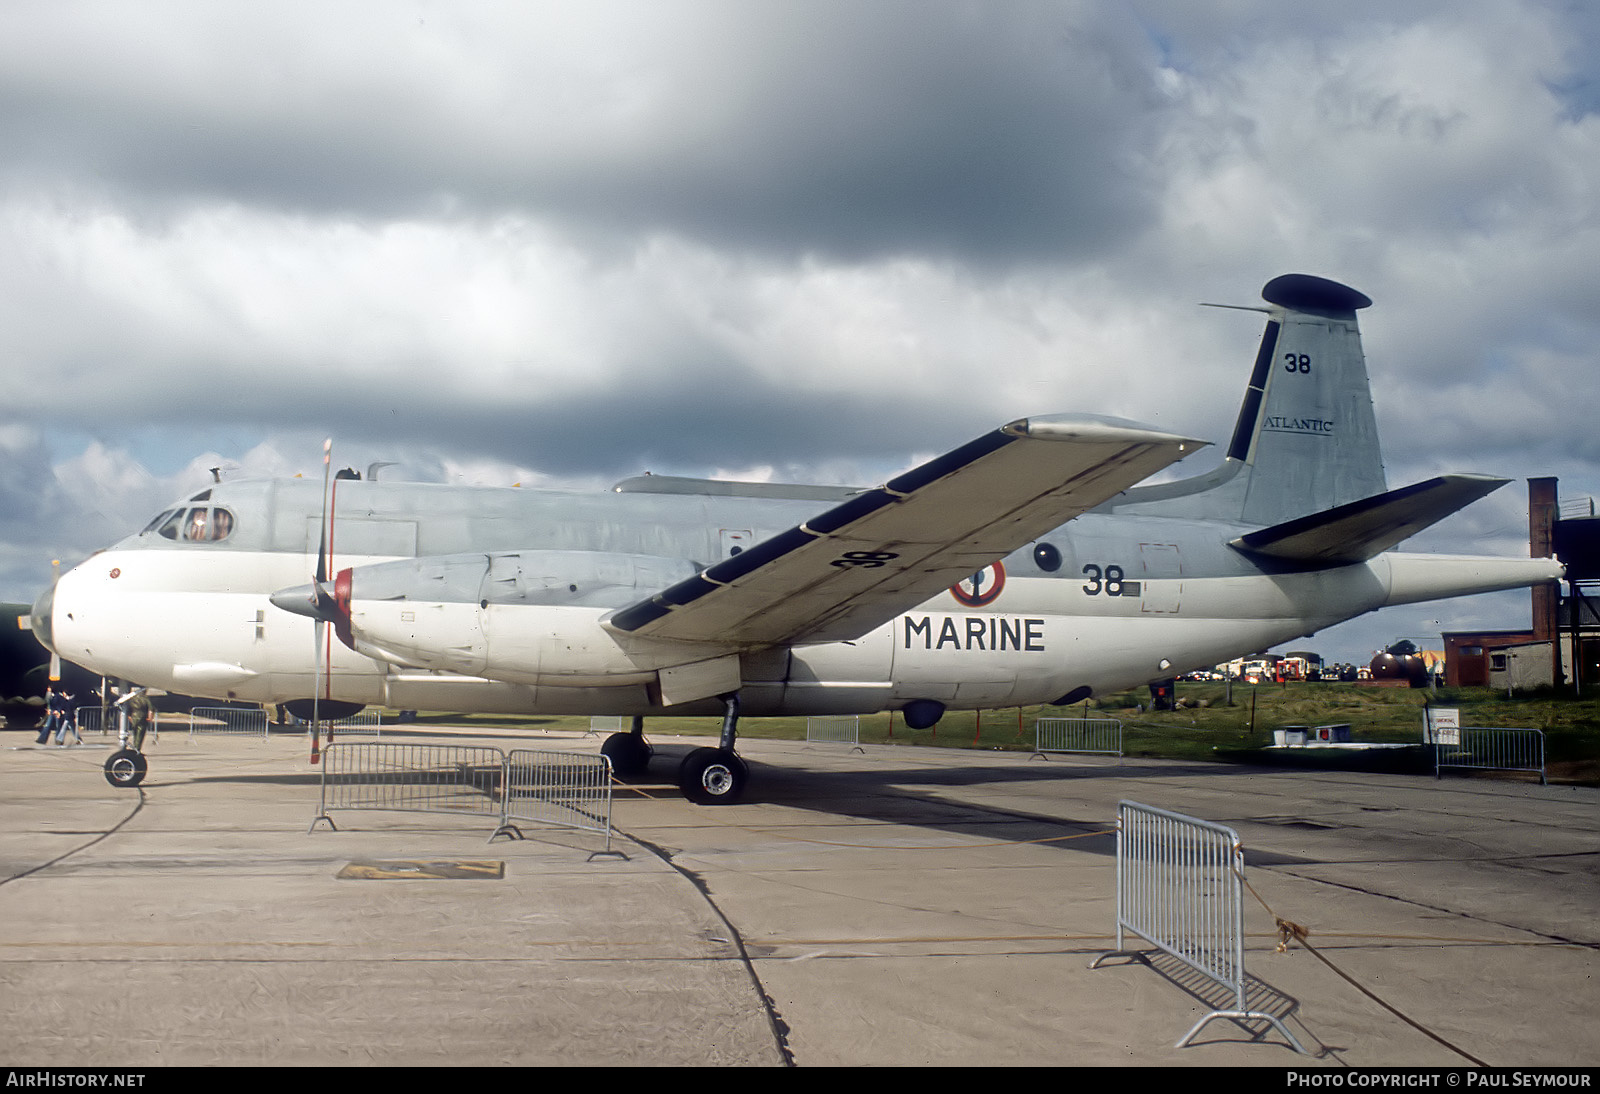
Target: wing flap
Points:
(1365, 529)
(859, 563)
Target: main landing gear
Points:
(713, 776)
(707, 776)
(716, 776)
(629, 752)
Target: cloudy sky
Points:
(563, 243)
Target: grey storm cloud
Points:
(842, 128)
(565, 243)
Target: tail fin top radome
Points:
(1306, 439)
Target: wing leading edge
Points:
(858, 564)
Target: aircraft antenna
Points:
(1238, 307)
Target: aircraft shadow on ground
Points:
(908, 795)
(899, 795)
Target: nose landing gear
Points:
(126, 768)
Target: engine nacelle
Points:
(527, 617)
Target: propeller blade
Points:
(322, 534)
(55, 658)
(321, 606)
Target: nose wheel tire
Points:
(713, 776)
(126, 768)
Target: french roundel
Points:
(981, 588)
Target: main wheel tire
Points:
(713, 776)
(125, 768)
(629, 753)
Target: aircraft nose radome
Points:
(300, 600)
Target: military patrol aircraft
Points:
(1023, 567)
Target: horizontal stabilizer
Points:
(856, 565)
(1365, 529)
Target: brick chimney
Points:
(1542, 511)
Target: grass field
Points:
(1205, 724)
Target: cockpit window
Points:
(197, 525)
(151, 527)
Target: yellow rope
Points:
(1290, 931)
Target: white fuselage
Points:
(1125, 600)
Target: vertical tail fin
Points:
(1312, 442)
(1306, 439)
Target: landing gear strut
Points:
(716, 776)
(629, 752)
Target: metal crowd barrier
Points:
(572, 790)
(835, 730)
(410, 777)
(1486, 749)
(603, 724)
(227, 720)
(566, 789)
(1180, 888)
(1098, 736)
(89, 721)
(368, 723)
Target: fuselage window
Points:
(1047, 557)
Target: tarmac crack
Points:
(107, 834)
(780, 1028)
(1470, 917)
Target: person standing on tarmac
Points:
(138, 712)
(66, 718)
(50, 716)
